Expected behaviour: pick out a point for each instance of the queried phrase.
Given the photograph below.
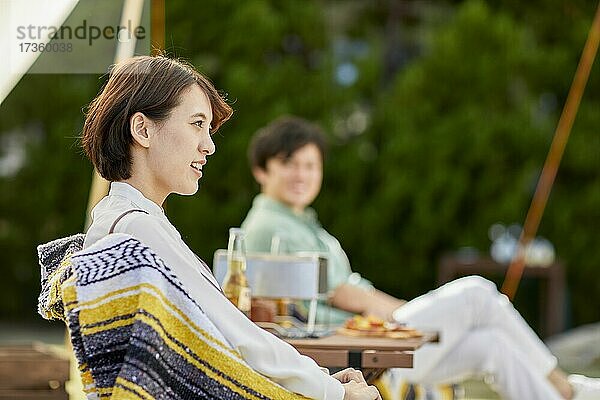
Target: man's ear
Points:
(259, 174)
(138, 127)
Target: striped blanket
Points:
(136, 332)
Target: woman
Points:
(148, 132)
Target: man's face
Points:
(295, 181)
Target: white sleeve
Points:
(273, 357)
(264, 352)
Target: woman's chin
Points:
(189, 191)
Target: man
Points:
(480, 330)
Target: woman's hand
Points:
(349, 374)
(360, 391)
(355, 386)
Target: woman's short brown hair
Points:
(151, 85)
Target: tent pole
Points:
(557, 148)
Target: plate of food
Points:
(372, 326)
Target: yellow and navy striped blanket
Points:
(136, 332)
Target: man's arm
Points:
(369, 301)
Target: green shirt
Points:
(269, 219)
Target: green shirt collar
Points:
(264, 202)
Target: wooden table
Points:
(32, 371)
(372, 355)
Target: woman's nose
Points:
(207, 146)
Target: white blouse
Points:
(264, 352)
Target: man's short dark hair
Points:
(282, 137)
(151, 85)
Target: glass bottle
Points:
(235, 285)
(278, 247)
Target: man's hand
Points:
(371, 301)
(355, 385)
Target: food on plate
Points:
(376, 327)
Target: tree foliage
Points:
(443, 133)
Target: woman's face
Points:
(180, 146)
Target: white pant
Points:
(480, 332)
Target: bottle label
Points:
(244, 300)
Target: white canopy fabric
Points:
(16, 15)
(26, 29)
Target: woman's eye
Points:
(199, 124)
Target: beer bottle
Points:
(235, 285)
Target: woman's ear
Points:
(138, 126)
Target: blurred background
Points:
(439, 114)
